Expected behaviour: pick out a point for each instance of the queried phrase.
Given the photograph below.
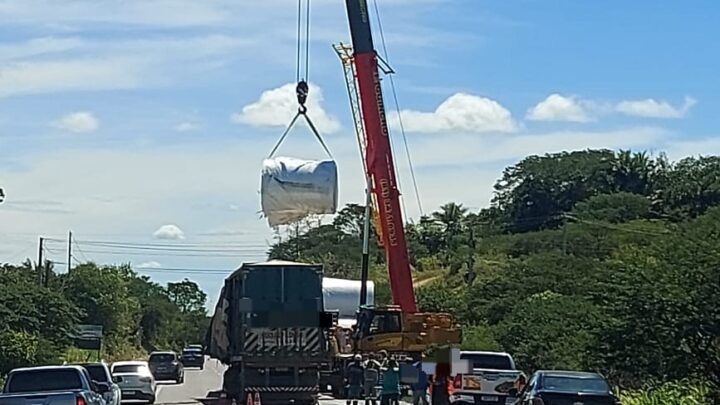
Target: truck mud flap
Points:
(315, 389)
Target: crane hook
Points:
(301, 91)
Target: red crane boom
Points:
(379, 161)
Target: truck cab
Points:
(489, 380)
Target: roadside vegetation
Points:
(588, 260)
(137, 314)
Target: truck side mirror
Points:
(245, 305)
(101, 387)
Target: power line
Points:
(182, 270)
(170, 245)
(397, 108)
(131, 253)
(81, 251)
(170, 249)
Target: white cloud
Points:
(86, 74)
(186, 127)
(276, 107)
(38, 46)
(651, 108)
(170, 232)
(461, 112)
(560, 108)
(149, 265)
(78, 122)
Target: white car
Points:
(135, 380)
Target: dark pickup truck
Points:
(567, 387)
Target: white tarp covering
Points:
(344, 296)
(291, 189)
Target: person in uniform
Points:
(372, 378)
(355, 377)
(421, 387)
(391, 384)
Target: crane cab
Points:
(388, 328)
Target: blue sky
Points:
(118, 118)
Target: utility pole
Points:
(69, 252)
(365, 264)
(564, 234)
(48, 270)
(40, 262)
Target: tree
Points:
(691, 187)
(188, 296)
(614, 208)
(103, 294)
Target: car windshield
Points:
(97, 372)
(488, 361)
(130, 368)
(44, 380)
(162, 358)
(191, 351)
(575, 384)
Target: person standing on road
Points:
(355, 378)
(372, 378)
(441, 385)
(420, 389)
(391, 384)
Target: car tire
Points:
(152, 400)
(202, 367)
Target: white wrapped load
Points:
(343, 295)
(291, 189)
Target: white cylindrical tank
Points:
(343, 295)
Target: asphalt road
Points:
(198, 383)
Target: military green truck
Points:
(271, 330)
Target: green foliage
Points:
(595, 260)
(137, 315)
(614, 208)
(480, 338)
(684, 392)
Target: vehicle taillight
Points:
(457, 381)
(80, 401)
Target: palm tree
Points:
(451, 219)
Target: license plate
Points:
(128, 392)
(489, 398)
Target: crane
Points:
(397, 328)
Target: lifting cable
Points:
(302, 76)
(397, 108)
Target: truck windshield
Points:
(44, 380)
(97, 372)
(488, 361)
